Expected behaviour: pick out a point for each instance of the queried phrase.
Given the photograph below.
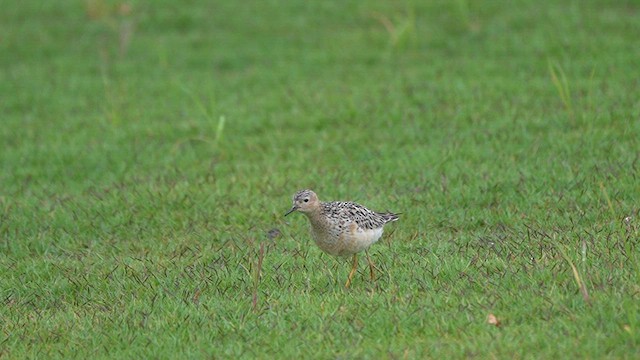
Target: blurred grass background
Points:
(150, 148)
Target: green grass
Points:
(147, 153)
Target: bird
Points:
(342, 228)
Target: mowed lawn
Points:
(149, 149)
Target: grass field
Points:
(149, 150)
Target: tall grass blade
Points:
(576, 274)
(561, 83)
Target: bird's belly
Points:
(346, 243)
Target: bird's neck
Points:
(315, 216)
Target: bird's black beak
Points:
(294, 208)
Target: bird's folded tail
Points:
(389, 217)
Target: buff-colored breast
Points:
(349, 240)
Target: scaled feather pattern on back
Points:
(365, 218)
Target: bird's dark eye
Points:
(306, 200)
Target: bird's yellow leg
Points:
(353, 270)
(371, 266)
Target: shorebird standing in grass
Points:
(342, 228)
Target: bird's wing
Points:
(365, 218)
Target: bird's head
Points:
(304, 201)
